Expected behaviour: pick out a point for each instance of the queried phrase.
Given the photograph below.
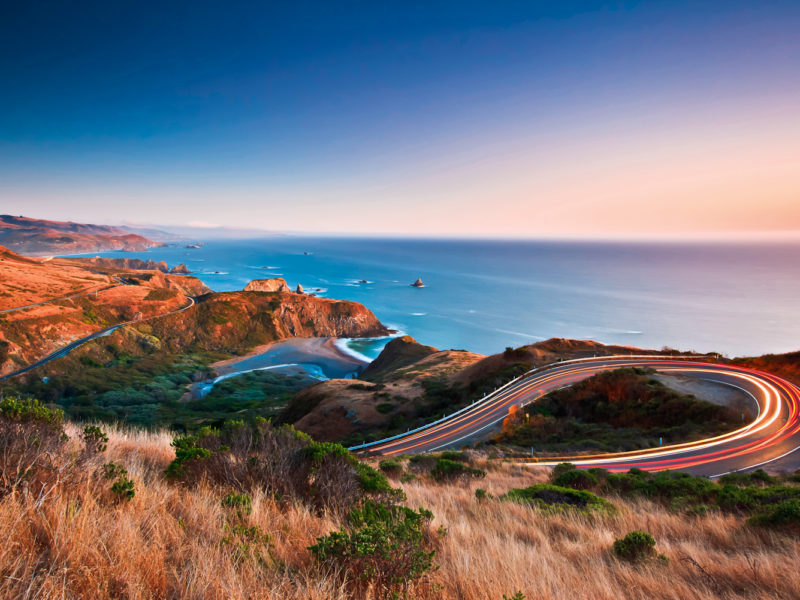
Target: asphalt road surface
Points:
(63, 351)
(774, 434)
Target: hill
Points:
(37, 236)
(410, 384)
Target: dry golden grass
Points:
(168, 543)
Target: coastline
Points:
(322, 352)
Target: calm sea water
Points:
(482, 296)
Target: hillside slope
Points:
(410, 384)
(37, 236)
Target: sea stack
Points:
(418, 283)
(276, 284)
(180, 269)
(299, 289)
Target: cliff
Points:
(37, 236)
(234, 321)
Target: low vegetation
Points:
(250, 510)
(620, 410)
(550, 497)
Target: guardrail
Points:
(519, 378)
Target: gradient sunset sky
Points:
(597, 119)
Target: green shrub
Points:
(448, 470)
(94, 439)
(481, 494)
(552, 497)
(785, 515)
(407, 477)
(388, 547)
(242, 504)
(578, 479)
(561, 468)
(518, 595)
(636, 546)
(32, 444)
(455, 455)
(123, 488)
(247, 541)
(391, 466)
(280, 461)
(112, 470)
(384, 407)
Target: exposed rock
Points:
(180, 269)
(276, 284)
(418, 283)
(299, 289)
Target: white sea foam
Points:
(418, 314)
(313, 370)
(520, 334)
(341, 344)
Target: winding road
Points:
(64, 350)
(773, 434)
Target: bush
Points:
(280, 461)
(32, 440)
(578, 479)
(636, 546)
(785, 515)
(448, 470)
(561, 468)
(552, 497)
(384, 407)
(95, 440)
(242, 504)
(481, 494)
(123, 486)
(455, 455)
(391, 466)
(387, 547)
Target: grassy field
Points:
(79, 539)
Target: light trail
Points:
(773, 433)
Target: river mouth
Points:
(319, 359)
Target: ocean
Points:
(483, 296)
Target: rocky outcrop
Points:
(418, 283)
(299, 289)
(276, 284)
(398, 353)
(180, 269)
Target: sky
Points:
(490, 119)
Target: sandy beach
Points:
(321, 352)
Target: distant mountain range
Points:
(36, 236)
